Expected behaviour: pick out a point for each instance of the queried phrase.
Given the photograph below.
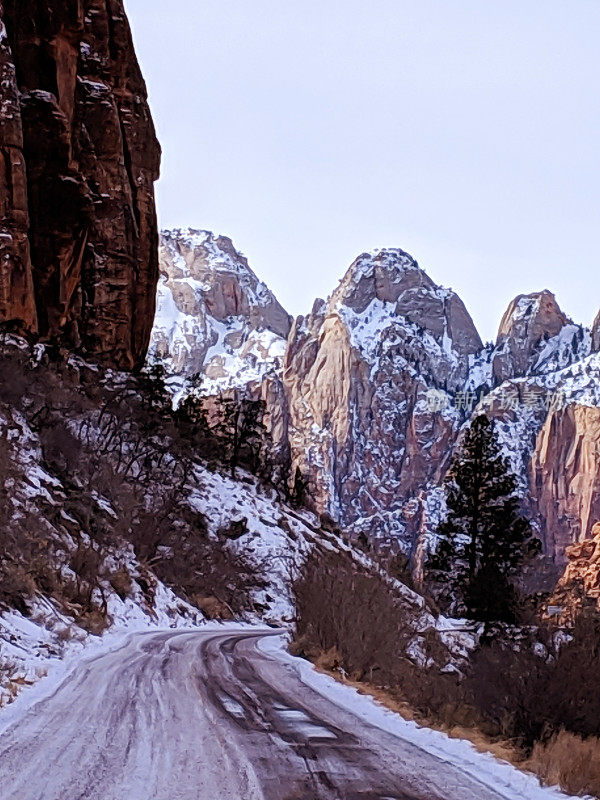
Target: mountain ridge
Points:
(376, 382)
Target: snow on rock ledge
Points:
(214, 317)
(357, 374)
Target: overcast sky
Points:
(466, 132)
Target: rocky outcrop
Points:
(579, 586)
(78, 160)
(16, 280)
(358, 372)
(565, 477)
(214, 317)
(596, 334)
(393, 276)
(529, 322)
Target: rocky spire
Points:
(357, 374)
(214, 316)
(393, 276)
(528, 323)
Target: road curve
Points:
(208, 716)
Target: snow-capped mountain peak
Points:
(371, 389)
(214, 316)
(396, 281)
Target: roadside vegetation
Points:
(530, 695)
(124, 463)
(529, 691)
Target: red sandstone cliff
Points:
(580, 584)
(565, 476)
(78, 161)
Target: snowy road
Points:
(212, 716)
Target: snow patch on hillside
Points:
(35, 646)
(573, 343)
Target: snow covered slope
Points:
(84, 483)
(214, 317)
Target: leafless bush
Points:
(20, 549)
(573, 697)
(341, 605)
(126, 466)
(121, 582)
(530, 693)
(353, 618)
(507, 684)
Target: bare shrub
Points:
(62, 450)
(530, 692)
(351, 618)
(342, 606)
(93, 621)
(508, 685)
(573, 696)
(86, 563)
(20, 548)
(212, 607)
(65, 634)
(121, 582)
(16, 587)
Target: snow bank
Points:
(499, 776)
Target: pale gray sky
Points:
(466, 132)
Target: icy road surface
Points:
(226, 714)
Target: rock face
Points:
(566, 476)
(547, 423)
(369, 392)
(580, 583)
(78, 161)
(596, 334)
(528, 323)
(357, 374)
(214, 317)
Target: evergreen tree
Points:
(155, 390)
(253, 436)
(484, 539)
(192, 419)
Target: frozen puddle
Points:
(296, 721)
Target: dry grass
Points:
(567, 761)
(93, 621)
(65, 634)
(11, 683)
(570, 762)
(392, 700)
(212, 607)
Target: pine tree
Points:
(484, 539)
(192, 420)
(253, 436)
